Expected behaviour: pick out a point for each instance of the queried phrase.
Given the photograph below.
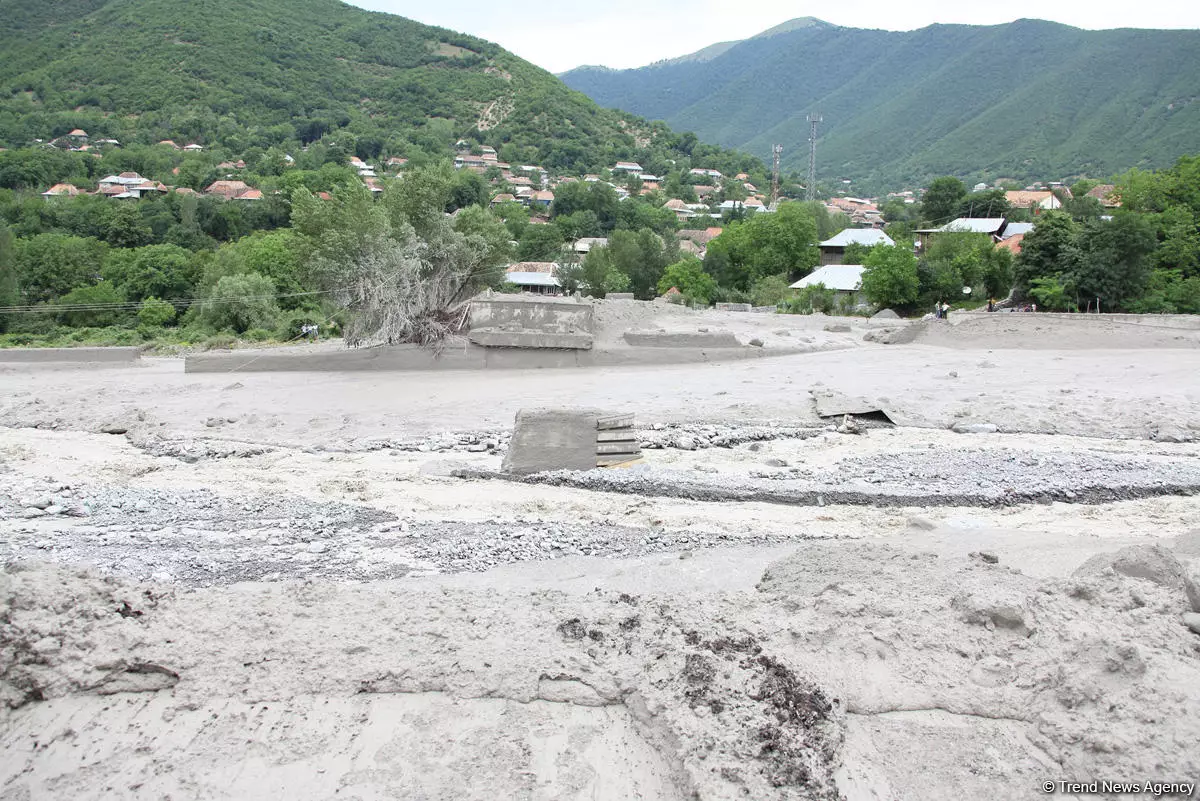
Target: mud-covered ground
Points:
(312, 587)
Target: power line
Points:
(135, 305)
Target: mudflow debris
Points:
(836, 573)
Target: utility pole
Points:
(776, 152)
(810, 191)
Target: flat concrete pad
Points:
(681, 339)
(75, 355)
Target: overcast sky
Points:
(633, 33)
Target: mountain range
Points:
(1027, 100)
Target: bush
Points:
(257, 335)
(769, 290)
(220, 342)
(815, 298)
(102, 297)
(241, 302)
(155, 313)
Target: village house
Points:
(992, 226)
(628, 166)
(62, 190)
(588, 242)
(535, 277)
(542, 199)
(1107, 195)
(250, 194)
(226, 189)
(844, 279)
(834, 249)
(503, 197)
(194, 148)
(1025, 199)
(169, 143)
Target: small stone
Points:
(952, 374)
(214, 422)
(685, 443)
(975, 428)
(317, 547)
(1192, 621)
(989, 557)
(756, 447)
(775, 463)
(477, 448)
(41, 503)
(113, 428)
(756, 342)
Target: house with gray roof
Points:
(833, 250)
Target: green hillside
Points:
(1026, 100)
(260, 73)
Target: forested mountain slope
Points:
(244, 73)
(1024, 100)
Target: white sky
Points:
(632, 33)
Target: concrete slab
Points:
(681, 339)
(517, 313)
(71, 355)
(492, 338)
(553, 439)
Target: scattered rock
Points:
(985, 556)
(756, 342)
(685, 443)
(975, 428)
(234, 385)
(952, 374)
(317, 547)
(838, 328)
(775, 463)
(850, 426)
(1192, 621)
(215, 422)
(114, 428)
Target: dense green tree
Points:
(540, 243)
(9, 292)
(1114, 263)
(688, 276)
(990, 203)
(102, 301)
(161, 271)
(239, 303)
(1050, 249)
(783, 243)
(51, 265)
(155, 313)
(643, 256)
(890, 279)
(942, 200)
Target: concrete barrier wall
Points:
(1190, 322)
(70, 355)
(563, 316)
(472, 357)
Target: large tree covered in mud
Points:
(401, 266)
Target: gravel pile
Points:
(198, 538)
(937, 477)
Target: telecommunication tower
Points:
(810, 191)
(776, 152)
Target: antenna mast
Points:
(776, 152)
(810, 191)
